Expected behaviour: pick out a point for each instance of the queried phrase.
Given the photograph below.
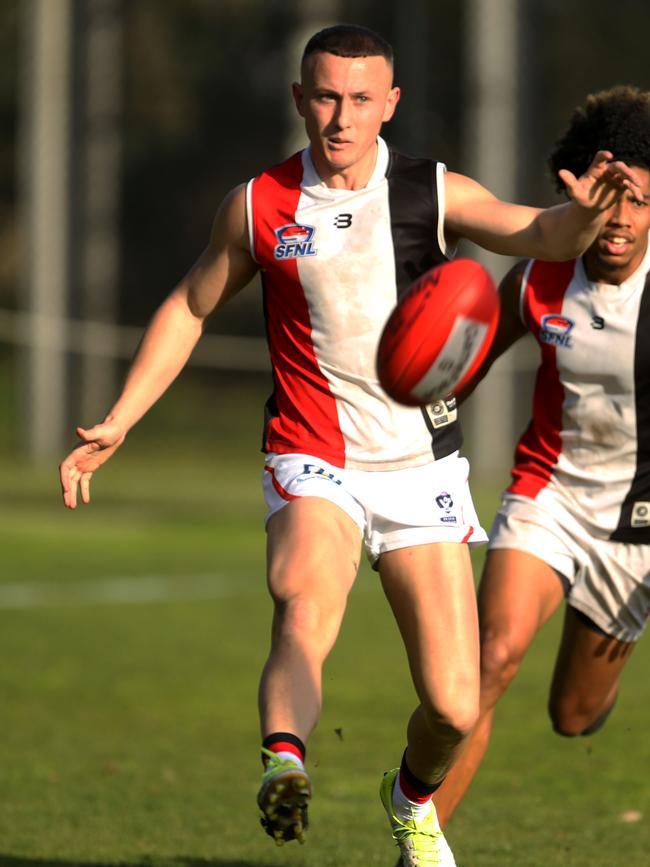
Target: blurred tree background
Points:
(205, 105)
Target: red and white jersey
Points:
(332, 264)
(589, 438)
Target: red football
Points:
(439, 333)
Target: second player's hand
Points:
(76, 471)
(602, 184)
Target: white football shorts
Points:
(392, 508)
(607, 581)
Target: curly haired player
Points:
(336, 231)
(574, 523)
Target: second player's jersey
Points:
(589, 437)
(332, 264)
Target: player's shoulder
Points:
(233, 204)
(459, 185)
(229, 225)
(287, 172)
(402, 163)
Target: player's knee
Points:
(500, 661)
(307, 620)
(571, 720)
(565, 724)
(454, 719)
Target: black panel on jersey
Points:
(413, 204)
(640, 488)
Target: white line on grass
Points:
(139, 590)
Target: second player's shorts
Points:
(607, 581)
(392, 508)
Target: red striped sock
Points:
(413, 788)
(285, 745)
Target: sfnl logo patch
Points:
(556, 329)
(295, 240)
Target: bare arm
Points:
(558, 233)
(509, 329)
(224, 267)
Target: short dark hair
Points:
(617, 120)
(349, 40)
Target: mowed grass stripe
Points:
(138, 590)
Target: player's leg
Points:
(431, 592)
(608, 609)
(517, 594)
(586, 677)
(313, 557)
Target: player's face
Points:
(622, 242)
(344, 101)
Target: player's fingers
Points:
(99, 437)
(92, 436)
(69, 487)
(568, 178)
(85, 487)
(601, 160)
(625, 178)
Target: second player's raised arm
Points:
(557, 233)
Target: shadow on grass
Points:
(12, 861)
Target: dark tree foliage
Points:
(207, 105)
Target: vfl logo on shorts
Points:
(295, 240)
(640, 515)
(446, 503)
(555, 330)
(320, 472)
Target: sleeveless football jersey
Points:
(332, 264)
(589, 438)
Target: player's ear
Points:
(298, 97)
(391, 103)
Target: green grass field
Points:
(132, 634)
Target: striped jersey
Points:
(333, 263)
(589, 438)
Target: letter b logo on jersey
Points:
(343, 221)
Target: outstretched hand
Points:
(98, 444)
(602, 185)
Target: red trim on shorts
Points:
(278, 487)
(468, 535)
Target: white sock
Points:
(291, 757)
(406, 809)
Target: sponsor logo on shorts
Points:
(640, 515)
(320, 473)
(295, 240)
(443, 412)
(556, 329)
(445, 502)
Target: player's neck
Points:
(354, 177)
